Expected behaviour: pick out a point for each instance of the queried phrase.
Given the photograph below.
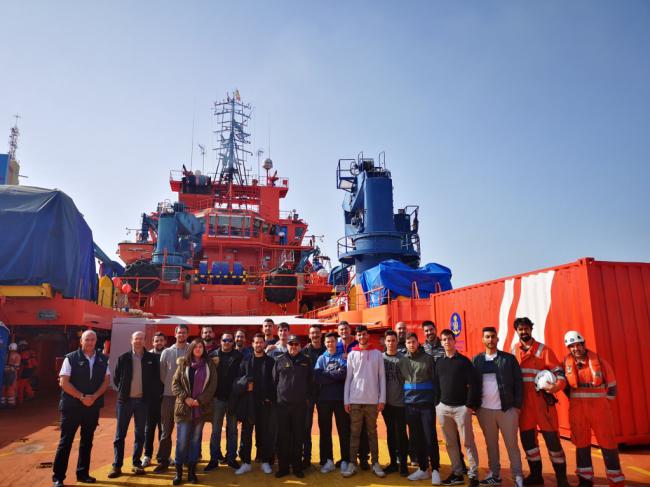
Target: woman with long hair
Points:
(194, 385)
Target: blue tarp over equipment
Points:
(44, 239)
(396, 277)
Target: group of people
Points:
(19, 375)
(273, 387)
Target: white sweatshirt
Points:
(365, 382)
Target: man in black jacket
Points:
(502, 395)
(313, 350)
(292, 376)
(137, 379)
(258, 371)
(227, 373)
(459, 390)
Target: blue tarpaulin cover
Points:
(396, 277)
(44, 239)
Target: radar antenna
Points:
(232, 118)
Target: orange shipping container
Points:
(608, 302)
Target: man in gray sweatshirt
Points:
(364, 397)
(167, 370)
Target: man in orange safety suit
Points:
(538, 408)
(28, 363)
(591, 387)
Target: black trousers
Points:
(71, 420)
(291, 430)
(422, 425)
(263, 435)
(398, 442)
(153, 422)
(309, 418)
(325, 411)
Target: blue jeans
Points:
(221, 410)
(188, 442)
(421, 419)
(136, 408)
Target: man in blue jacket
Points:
(330, 372)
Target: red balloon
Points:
(126, 288)
(117, 282)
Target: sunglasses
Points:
(226, 340)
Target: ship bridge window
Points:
(213, 220)
(257, 224)
(265, 228)
(300, 231)
(223, 224)
(236, 225)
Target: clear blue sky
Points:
(522, 129)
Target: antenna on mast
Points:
(233, 117)
(13, 139)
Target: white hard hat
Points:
(544, 378)
(13, 346)
(572, 337)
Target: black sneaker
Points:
(454, 479)
(212, 465)
(300, 474)
(403, 470)
(364, 465)
(234, 464)
(473, 482)
(161, 467)
(281, 473)
(491, 481)
(391, 468)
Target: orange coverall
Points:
(535, 411)
(28, 363)
(589, 410)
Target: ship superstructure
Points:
(225, 247)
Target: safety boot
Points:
(535, 476)
(560, 475)
(191, 473)
(178, 480)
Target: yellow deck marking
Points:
(640, 470)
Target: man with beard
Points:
(592, 387)
(207, 334)
(267, 329)
(400, 328)
(432, 345)
(313, 350)
(240, 344)
(227, 373)
(168, 366)
(538, 408)
(258, 370)
(153, 414)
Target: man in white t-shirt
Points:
(500, 406)
(84, 378)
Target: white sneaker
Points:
(519, 481)
(435, 477)
(245, 468)
(266, 468)
(343, 466)
(328, 467)
(420, 475)
(146, 462)
(377, 470)
(350, 471)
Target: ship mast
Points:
(232, 118)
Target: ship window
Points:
(300, 231)
(265, 228)
(222, 229)
(236, 224)
(213, 219)
(257, 224)
(247, 226)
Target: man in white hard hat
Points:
(591, 386)
(10, 382)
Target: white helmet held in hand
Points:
(13, 347)
(572, 337)
(543, 379)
